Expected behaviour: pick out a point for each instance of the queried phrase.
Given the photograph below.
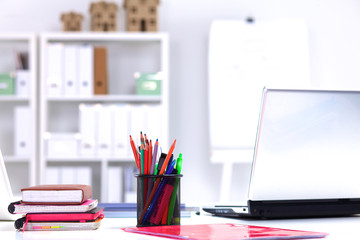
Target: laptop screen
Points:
(308, 146)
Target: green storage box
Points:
(148, 83)
(7, 83)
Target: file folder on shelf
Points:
(104, 129)
(22, 131)
(121, 130)
(22, 82)
(115, 180)
(100, 71)
(71, 63)
(86, 70)
(87, 129)
(54, 69)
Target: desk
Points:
(342, 228)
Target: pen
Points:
(155, 170)
(161, 162)
(173, 195)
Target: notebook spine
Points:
(11, 207)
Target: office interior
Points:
(333, 40)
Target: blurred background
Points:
(332, 41)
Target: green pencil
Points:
(174, 193)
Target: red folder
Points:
(225, 231)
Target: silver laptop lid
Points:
(308, 146)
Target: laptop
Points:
(306, 158)
(6, 193)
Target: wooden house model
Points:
(71, 21)
(141, 15)
(103, 16)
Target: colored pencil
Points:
(150, 157)
(167, 158)
(156, 146)
(136, 156)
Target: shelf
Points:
(121, 159)
(105, 98)
(93, 36)
(89, 159)
(9, 159)
(127, 53)
(16, 37)
(13, 98)
(22, 168)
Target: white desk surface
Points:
(340, 228)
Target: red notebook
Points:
(224, 231)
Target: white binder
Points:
(22, 131)
(71, 70)
(137, 120)
(153, 122)
(115, 180)
(121, 131)
(104, 129)
(87, 126)
(86, 70)
(68, 175)
(54, 69)
(83, 175)
(62, 145)
(22, 82)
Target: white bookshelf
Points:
(127, 53)
(21, 169)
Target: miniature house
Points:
(142, 15)
(103, 16)
(71, 21)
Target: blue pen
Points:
(157, 194)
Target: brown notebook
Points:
(56, 194)
(100, 71)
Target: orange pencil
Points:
(162, 171)
(136, 156)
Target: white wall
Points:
(334, 40)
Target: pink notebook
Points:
(225, 231)
(82, 217)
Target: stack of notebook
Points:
(57, 207)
